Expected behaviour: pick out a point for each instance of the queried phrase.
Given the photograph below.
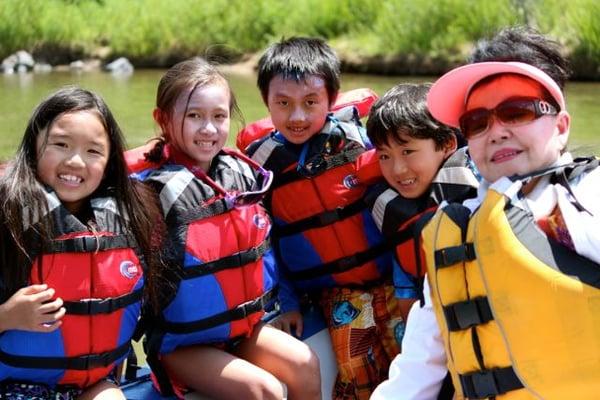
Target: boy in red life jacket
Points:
(325, 239)
(422, 166)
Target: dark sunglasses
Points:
(511, 112)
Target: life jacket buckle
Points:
(90, 243)
(313, 167)
(455, 254)
(466, 314)
(480, 383)
(329, 217)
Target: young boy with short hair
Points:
(325, 239)
(420, 162)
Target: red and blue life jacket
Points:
(99, 275)
(323, 232)
(217, 253)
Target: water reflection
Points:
(131, 98)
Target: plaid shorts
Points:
(366, 330)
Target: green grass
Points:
(156, 32)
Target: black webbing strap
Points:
(465, 314)
(152, 346)
(327, 163)
(241, 311)
(233, 261)
(103, 306)
(185, 217)
(447, 390)
(489, 383)
(454, 254)
(341, 264)
(131, 367)
(572, 170)
(88, 244)
(319, 220)
(81, 363)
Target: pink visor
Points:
(448, 95)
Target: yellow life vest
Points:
(519, 313)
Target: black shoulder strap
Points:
(89, 244)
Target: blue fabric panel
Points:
(28, 343)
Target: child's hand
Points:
(31, 309)
(287, 321)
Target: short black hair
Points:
(296, 58)
(403, 110)
(526, 45)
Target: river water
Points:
(132, 98)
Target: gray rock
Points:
(76, 65)
(120, 66)
(21, 61)
(24, 58)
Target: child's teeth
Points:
(70, 178)
(204, 144)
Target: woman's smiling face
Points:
(508, 150)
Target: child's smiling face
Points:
(508, 150)
(298, 108)
(200, 128)
(73, 156)
(410, 166)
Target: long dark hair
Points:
(23, 197)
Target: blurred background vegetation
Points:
(376, 36)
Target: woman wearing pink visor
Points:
(513, 284)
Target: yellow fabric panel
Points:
(461, 345)
(492, 346)
(476, 287)
(549, 321)
(442, 232)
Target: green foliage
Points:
(586, 22)
(439, 28)
(155, 32)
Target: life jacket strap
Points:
(465, 314)
(317, 168)
(103, 306)
(454, 254)
(237, 313)
(80, 363)
(233, 261)
(489, 383)
(88, 244)
(319, 220)
(341, 264)
(185, 217)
